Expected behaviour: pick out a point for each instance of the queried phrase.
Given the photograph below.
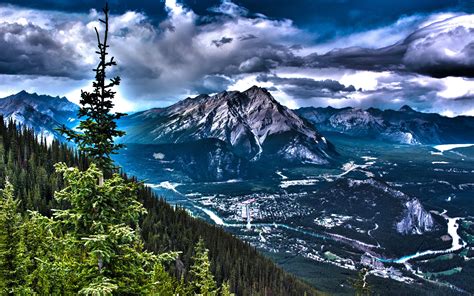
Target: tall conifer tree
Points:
(203, 282)
(98, 127)
(10, 223)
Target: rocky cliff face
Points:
(395, 212)
(252, 122)
(416, 220)
(203, 160)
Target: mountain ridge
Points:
(42, 113)
(45, 113)
(403, 126)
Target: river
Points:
(457, 243)
(453, 226)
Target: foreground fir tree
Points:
(101, 230)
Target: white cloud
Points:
(455, 87)
(366, 80)
(230, 8)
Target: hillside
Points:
(29, 165)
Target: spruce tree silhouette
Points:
(98, 127)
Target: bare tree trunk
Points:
(100, 263)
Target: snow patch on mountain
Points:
(158, 156)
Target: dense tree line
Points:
(91, 244)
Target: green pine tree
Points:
(99, 127)
(162, 283)
(101, 229)
(44, 260)
(203, 282)
(225, 289)
(11, 248)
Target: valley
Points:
(350, 216)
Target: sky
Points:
(357, 53)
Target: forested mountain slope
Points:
(29, 165)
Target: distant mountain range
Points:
(228, 135)
(236, 134)
(42, 113)
(403, 126)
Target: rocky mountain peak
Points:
(258, 91)
(40, 103)
(252, 122)
(25, 93)
(406, 108)
(404, 126)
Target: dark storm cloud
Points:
(260, 58)
(179, 54)
(466, 98)
(28, 49)
(303, 88)
(406, 92)
(247, 37)
(449, 53)
(255, 55)
(358, 58)
(439, 50)
(222, 41)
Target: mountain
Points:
(404, 126)
(201, 160)
(252, 123)
(231, 130)
(399, 218)
(42, 113)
